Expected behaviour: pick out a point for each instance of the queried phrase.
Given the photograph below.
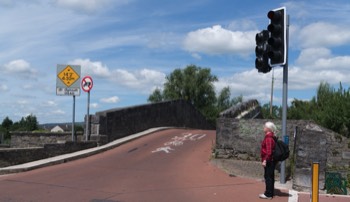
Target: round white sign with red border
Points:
(87, 83)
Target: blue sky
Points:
(129, 46)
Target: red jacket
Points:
(267, 147)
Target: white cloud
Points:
(338, 63)
(22, 102)
(197, 56)
(113, 99)
(19, 67)
(143, 79)
(320, 59)
(304, 78)
(92, 68)
(322, 34)
(217, 40)
(58, 112)
(250, 84)
(308, 56)
(94, 105)
(50, 103)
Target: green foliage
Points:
(5, 127)
(28, 123)
(78, 128)
(301, 110)
(275, 113)
(156, 96)
(7, 123)
(194, 84)
(330, 108)
(224, 100)
(3, 132)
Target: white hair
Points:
(270, 126)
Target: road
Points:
(169, 165)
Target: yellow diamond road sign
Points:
(68, 76)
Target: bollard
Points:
(315, 182)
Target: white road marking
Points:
(165, 149)
(178, 141)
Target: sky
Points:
(128, 47)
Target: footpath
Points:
(239, 168)
(254, 170)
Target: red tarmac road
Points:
(167, 166)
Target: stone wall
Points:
(118, 123)
(14, 156)
(39, 139)
(323, 146)
(239, 138)
(308, 142)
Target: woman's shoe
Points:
(263, 196)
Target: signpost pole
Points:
(86, 85)
(73, 122)
(88, 117)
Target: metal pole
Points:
(315, 182)
(88, 117)
(284, 105)
(73, 122)
(271, 99)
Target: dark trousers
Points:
(269, 176)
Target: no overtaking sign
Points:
(87, 83)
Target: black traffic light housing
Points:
(277, 41)
(261, 52)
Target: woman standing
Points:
(267, 147)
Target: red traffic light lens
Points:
(274, 15)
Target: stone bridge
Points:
(238, 130)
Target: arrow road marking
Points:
(164, 149)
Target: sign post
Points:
(67, 83)
(86, 85)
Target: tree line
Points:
(28, 123)
(330, 107)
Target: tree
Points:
(276, 112)
(28, 123)
(156, 96)
(236, 100)
(7, 123)
(224, 100)
(194, 84)
(31, 123)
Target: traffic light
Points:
(277, 41)
(261, 51)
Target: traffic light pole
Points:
(284, 105)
